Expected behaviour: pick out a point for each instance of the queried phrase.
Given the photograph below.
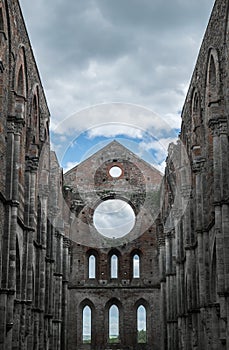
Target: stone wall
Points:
(197, 240)
(89, 184)
(31, 238)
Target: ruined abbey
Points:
(61, 281)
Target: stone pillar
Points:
(66, 247)
(171, 292)
(18, 126)
(43, 237)
(219, 127)
(58, 277)
(198, 169)
(7, 232)
(162, 271)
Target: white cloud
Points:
(114, 218)
(69, 165)
(97, 51)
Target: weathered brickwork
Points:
(47, 232)
(198, 317)
(31, 238)
(90, 183)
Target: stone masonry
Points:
(47, 232)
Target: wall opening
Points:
(114, 324)
(114, 266)
(115, 171)
(20, 82)
(87, 325)
(141, 325)
(136, 266)
(114, 218)
(92, 266)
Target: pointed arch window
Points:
(212, 72)
(87, 325)
(114, 266)
(141, 325)
(136, 266)
(213, 82)
(20, 82)
(92, 266)
(114, 324)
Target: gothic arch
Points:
(196, 126)
(133, 254)
(87, 302)
(20, 74)
(33, 121)
(213, 78)
(112, 253)
(90, 253)
(118, 304)
(145, 304)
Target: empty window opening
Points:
(115, 171)
(92, 267)
(114, 324)
(114, 266)
(20, 83)
(136, 266)
(114, 218)
(141, 325)
(212, 72)
(87, 325)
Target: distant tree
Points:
(142, 336)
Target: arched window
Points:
(141, 325)
(213, 78)
(196, 124)
(114, 324)
(20, 82)
(212, 72)
(114, 266)
(87, 325)
(136, 266)
(92, 266)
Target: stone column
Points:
(58, 277)
(18, 126)
(7, 232)
(198, 168)
(66, 247)
(219, 127)
(162, 271)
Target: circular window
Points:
(115, 171)
(114, 218)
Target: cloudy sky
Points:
(115, 53)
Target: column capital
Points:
(32, 163)
(198, 164)
(218, 126)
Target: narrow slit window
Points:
(87, 325)
(141, 325)
(92, 266)
(114, 266)
(1, 21)
(20, 83)
(136, 266)
(114, 324)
